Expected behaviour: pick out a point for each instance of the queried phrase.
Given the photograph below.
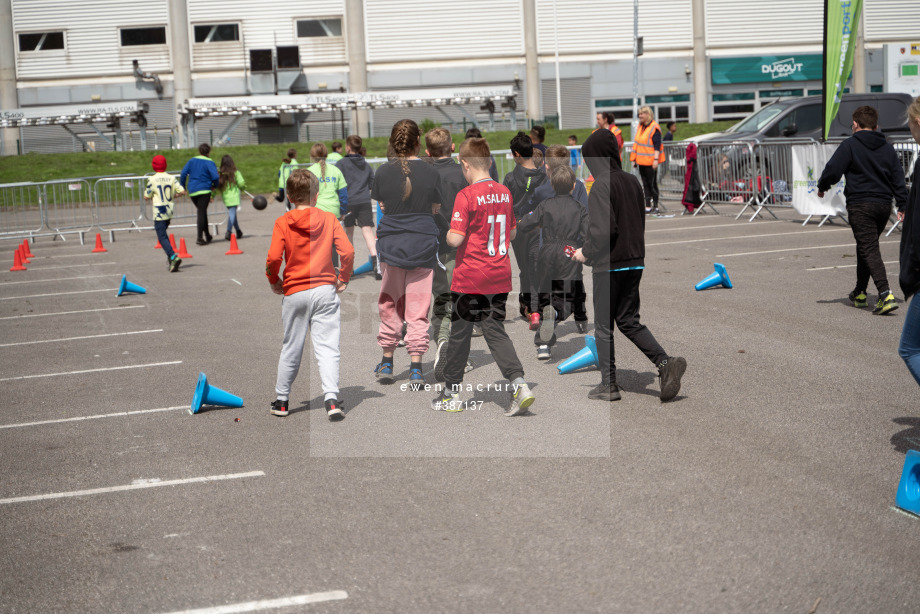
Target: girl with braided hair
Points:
(333, 195)
(407, 250)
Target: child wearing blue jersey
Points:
(161, 188)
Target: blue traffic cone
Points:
(908, 497)
(583, 358)
(379, 213)
(206, 394)
(719, 278)
(127, 286)
(367, 267)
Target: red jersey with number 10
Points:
(484, 214)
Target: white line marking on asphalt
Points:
(839, 266)
(70, 266)
(796, 249)
(56, 256)
(119, 414)
(774, 234)
(133, 332)
(10, 298)
(728, 225)
(152, 364)
(904, 513)
(64, 313)
(42, 281)
(283, 602)
(152, 483)
(236, 282)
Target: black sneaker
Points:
(448, 400)
(605, 392)
(581, 326)
(334, 410)
(670, 371)
(543, 352)
(174, 264)
(201, 242)
(279, 408)
(227, 236)
(208, 239)
(239, 234)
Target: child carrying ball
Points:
(482, 227)
(304, 239)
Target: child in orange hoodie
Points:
(304, 238)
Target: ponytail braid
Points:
(403, 138)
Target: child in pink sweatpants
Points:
(407, 250)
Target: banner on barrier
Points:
(807, 163)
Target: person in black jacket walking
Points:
(522, 182)
(909, 277)
(615, 248)
(874, 176)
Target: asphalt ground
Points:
(767, 485)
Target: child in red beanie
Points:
(161, 188)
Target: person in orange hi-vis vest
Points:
(647, 154)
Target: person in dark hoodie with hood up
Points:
(359, 177)
(615, 249)
(522, 182)
(874, 176)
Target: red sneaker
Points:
(534, 321)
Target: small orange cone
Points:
(172, 241)
(22, 255)
(99, 247)
(17, 262)
(183, 252)
(25, 249)
(234, 248)
(158, 246)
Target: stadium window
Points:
(132, 37)
(319, 28)
(41, 41)
(217, 33)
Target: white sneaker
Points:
(440, 361)
(521, 399)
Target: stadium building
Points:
(108, 68)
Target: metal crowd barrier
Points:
(77, 206)
(908, 152)
(729, 173)
(21, 211)
(69, 206)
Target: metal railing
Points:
(78, 206)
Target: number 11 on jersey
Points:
(502, 245)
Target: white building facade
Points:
(703, 59)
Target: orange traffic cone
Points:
(26, 250)
(99, 247)
(17, 262)
(172, 241)
(22, 255)
(183, 252)
(158, 246)
(234, 248)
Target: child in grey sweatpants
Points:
(303, 239)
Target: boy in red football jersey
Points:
(481, 228)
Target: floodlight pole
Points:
(558, 89)
(634, 125)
